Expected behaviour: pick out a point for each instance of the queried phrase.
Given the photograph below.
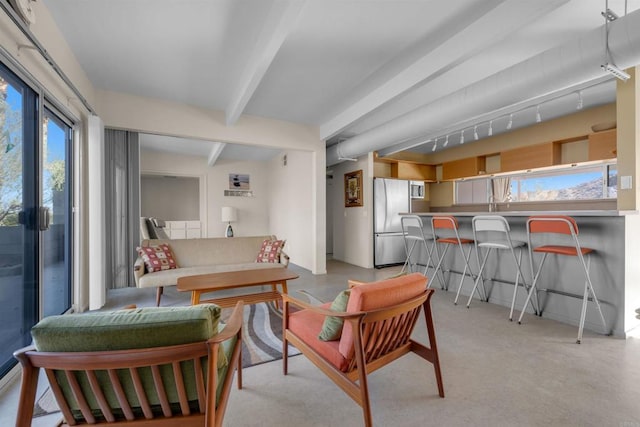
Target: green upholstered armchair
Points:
(164, 366)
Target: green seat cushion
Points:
(332, 326)
(126, 329)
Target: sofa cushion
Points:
(170, 277)
(213, 250)
(270, 251)
(157, 258)
(376, 295)
(332, 326)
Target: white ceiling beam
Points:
(433, 56)
(281, 19)
(216, 151)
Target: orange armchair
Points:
(378, 323)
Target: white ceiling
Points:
(346, 66)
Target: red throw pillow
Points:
(270, 251)
(157, 258)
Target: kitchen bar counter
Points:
(604, 231)
(576, 213)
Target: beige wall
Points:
(353, 227)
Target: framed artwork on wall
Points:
(353, 189)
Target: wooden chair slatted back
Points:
(387, 330)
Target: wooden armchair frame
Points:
(131, 361)
(380, 337)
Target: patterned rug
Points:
(262, 339)
(262, 342)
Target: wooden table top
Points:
(234, 279)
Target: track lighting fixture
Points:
(475, 132)
(510, 123)
(490, 128)
(435, 145)
(580, 101)
(446, 141)
(616, 72)
(462, 136)
(538, 117)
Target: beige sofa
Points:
(203, 256)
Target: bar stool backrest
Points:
(560, 224)
(412, 227)
(490, 223)
(444, 222)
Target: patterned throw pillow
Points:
(157, 258)
(270, 251)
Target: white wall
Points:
(353, 227)
(291, 208)
(253, 216)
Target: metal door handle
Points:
(44, 218)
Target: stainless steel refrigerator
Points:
(390, 197)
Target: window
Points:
(591, 182)
(577, 183)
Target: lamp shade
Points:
(229, 214)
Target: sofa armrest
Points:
(138, 270)
(284, 259)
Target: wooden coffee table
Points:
(204, 283)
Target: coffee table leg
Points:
(195, 297)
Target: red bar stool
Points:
(568, 226)
(450, 224)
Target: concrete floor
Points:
(495, 372)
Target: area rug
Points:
(262, 342)
(262, 339)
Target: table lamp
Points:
(229, 214)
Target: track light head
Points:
(435, 145)
(490, 128)
(462, 136)
(580, 101)
(475, 132)
(538, 117)
(510, 123)
(616, 72)
(609, 15)
(446, 141)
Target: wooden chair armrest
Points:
(353, 283)
(288, 299)
(233, 325)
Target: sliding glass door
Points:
(56, 206)
(35, 214)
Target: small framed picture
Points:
(353, 189)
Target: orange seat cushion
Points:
(306, 325)
(376, 295)
(562, 250)
(454, 241)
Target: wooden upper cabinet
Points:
(530, 157)
(463, 168)
(603, 145)
(415, 171)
